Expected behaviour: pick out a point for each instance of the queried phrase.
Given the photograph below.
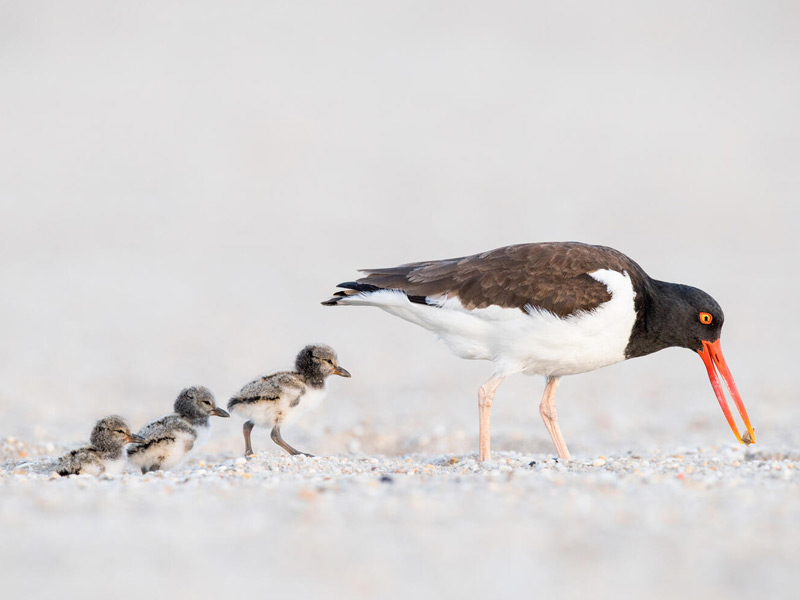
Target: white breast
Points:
(203, 433)
(308, 402)
(534, 342)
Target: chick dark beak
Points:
(714, 361)
(132, 438)
(341, 372)
(218, 412)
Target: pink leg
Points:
(548, 411)
(485, 399)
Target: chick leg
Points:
(276, 437)
(246, 429)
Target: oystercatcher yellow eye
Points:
(706, 318)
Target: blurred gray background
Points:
(181, 184)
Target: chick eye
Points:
(705, 318)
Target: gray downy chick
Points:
(274, 400)
(105, 455)
(170, 439)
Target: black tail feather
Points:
(349, 285)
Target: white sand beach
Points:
(181, 185)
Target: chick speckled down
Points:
(168, 441)
(274, 400)
(105, 455)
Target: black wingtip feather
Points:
(359, 287)
(367, 287)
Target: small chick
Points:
(274, 400)
(169, 440)
(106, 455)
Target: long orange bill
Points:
(713, 360)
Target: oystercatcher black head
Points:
(551, 309)
(672, 314)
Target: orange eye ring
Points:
(705, 318)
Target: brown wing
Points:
(553, 276)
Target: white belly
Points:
(176, 452)
(166, 454)
(116, 466)
(533, 342)
(268, 413)
(262, 413)
(92, 468)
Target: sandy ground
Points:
(702, 523)
(181, 185)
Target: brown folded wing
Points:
(552, 276)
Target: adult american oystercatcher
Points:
(552, 309)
